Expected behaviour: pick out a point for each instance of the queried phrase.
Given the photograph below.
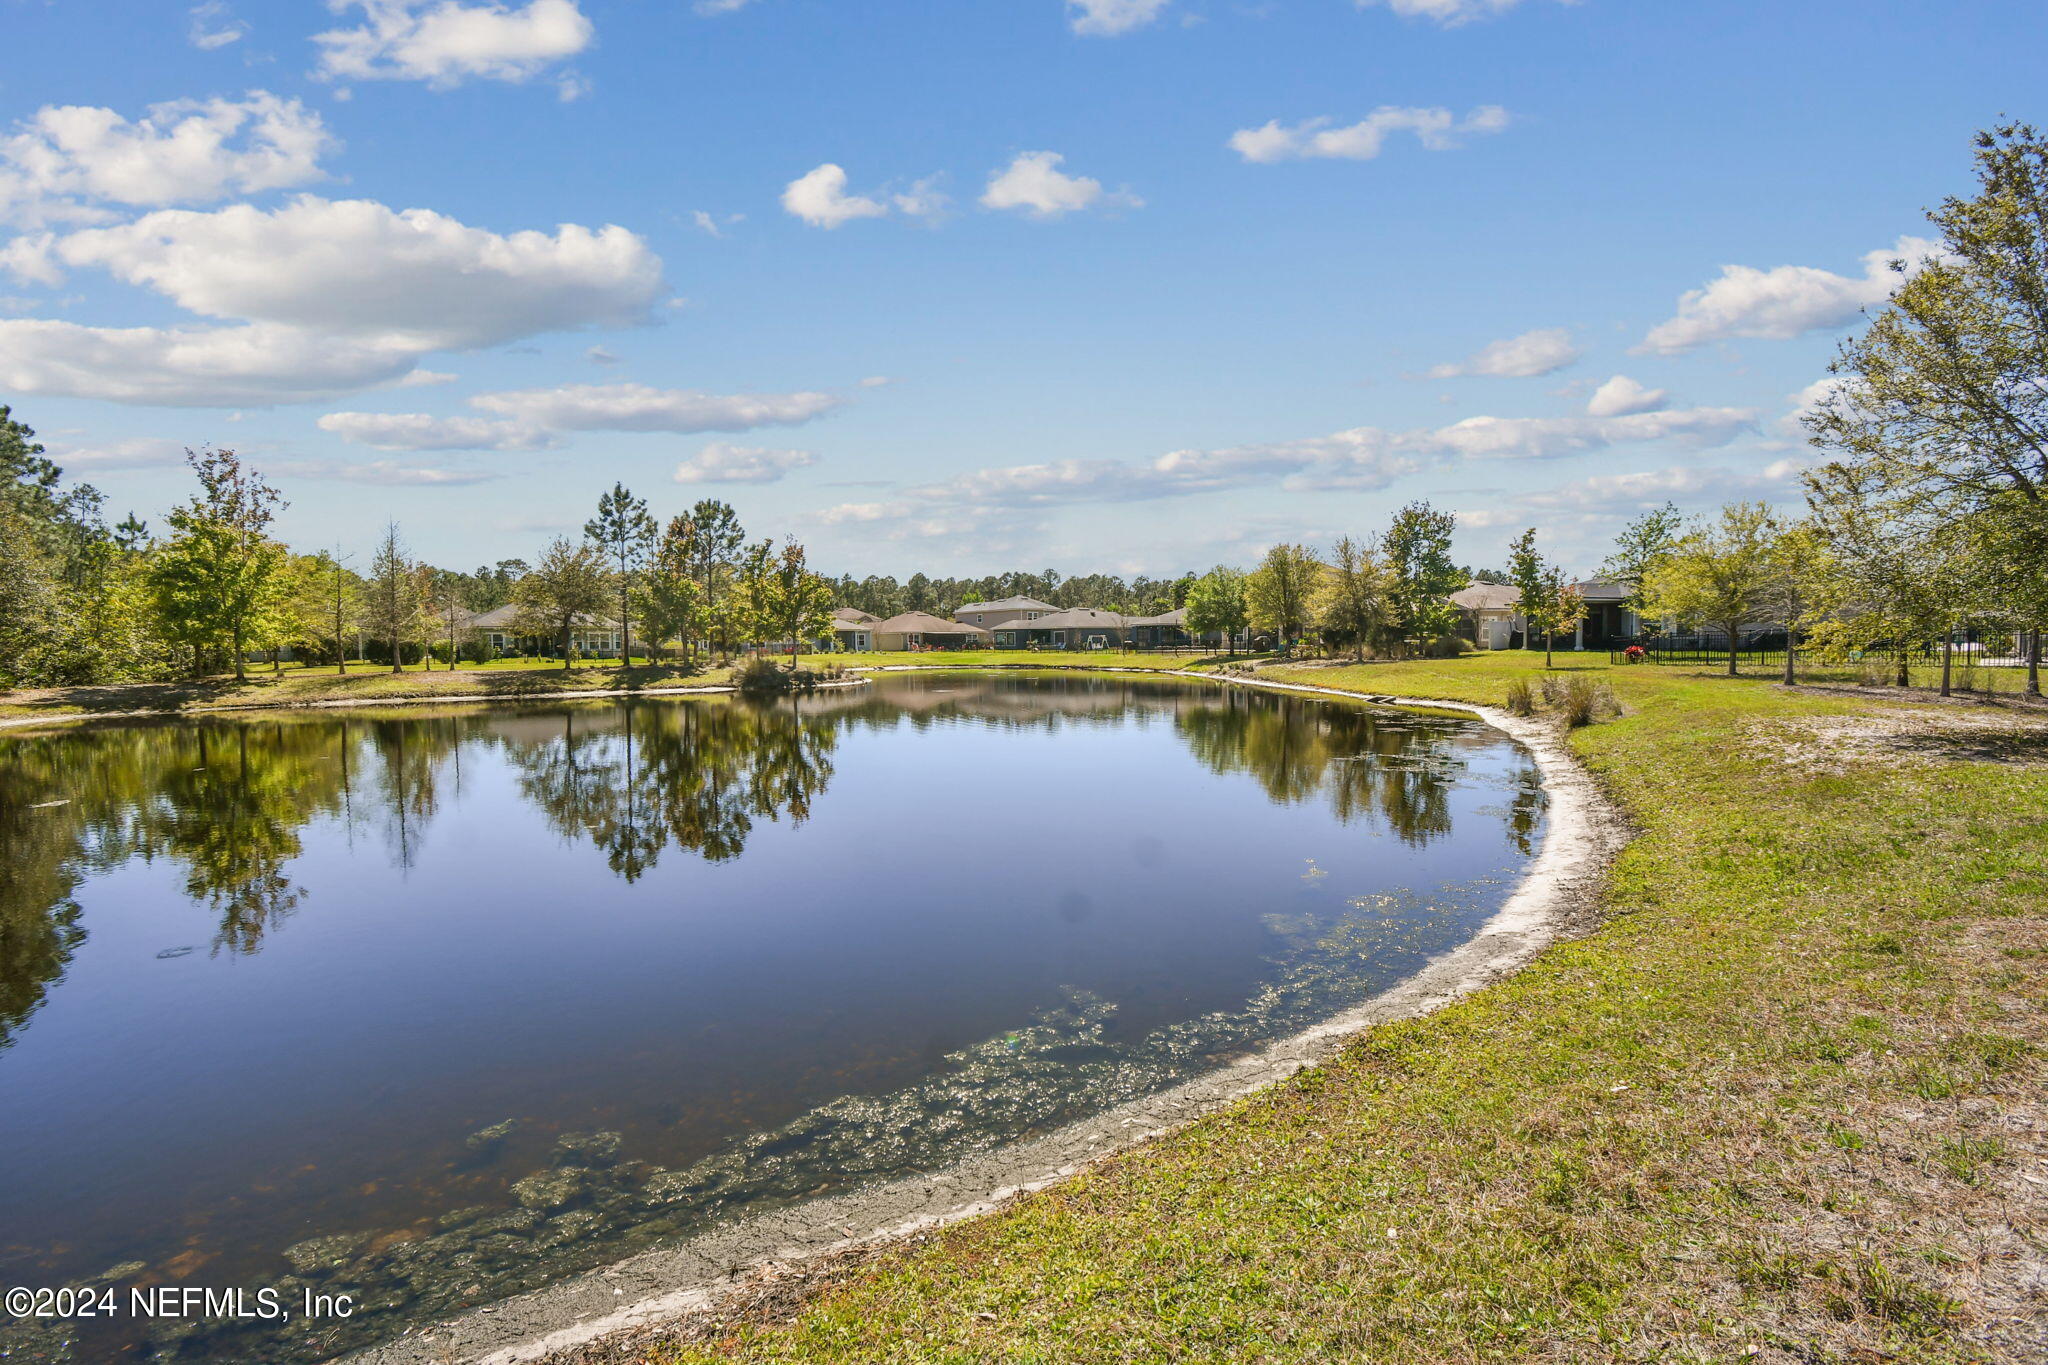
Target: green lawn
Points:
(1785, 1105)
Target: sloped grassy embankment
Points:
(1786, 1104)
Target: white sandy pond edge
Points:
(1582, 833)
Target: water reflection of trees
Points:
(1367, 765)
(643, 779)
(227, 801)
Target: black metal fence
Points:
(1988, 650)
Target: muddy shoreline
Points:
(704, 1273)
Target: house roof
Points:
(1178, 617)
(853, 614)
(1601, 589)
(1079, 618)
(923, 623)
(507, 618)
(1487, 597)
(1007, 604)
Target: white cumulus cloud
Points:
(356, 268)
(1362, 458)
(1621, 396)
(1107, 18)
(67, 163)
(1539, 352)
(1448, 13)
(419, 431)
(819, 197)
(721, 462)
(1437, 129)
(213, 27)
(317, 298)
(1782, 302)
(243, 366)
(529, 419)
(445, 42)
(638, 407)
(1034, 183)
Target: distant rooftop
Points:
(1007, 604)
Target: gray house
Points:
(922, 630)
(1168, 630)
(1608, 620)
(1080, 628)
(853, 630)
(990, 615)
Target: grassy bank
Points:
(510, 679)
(1785, 1105)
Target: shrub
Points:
(1580, 701)
(1521, 698)
(762, 676)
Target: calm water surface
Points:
(433, 1005)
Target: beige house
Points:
(594, 637)
(990, 615)
(922, 630)
(1488, 610)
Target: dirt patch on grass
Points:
(1834, 745)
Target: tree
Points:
(671, 602)
(715, 543)
(1547, 603)
(1279, 591)
(1216, 604)
(1797, 571)
(799, 601)
(392, 609)
(1417, 548)
(624, 531)
(1938, 414)
(219, 580)
(341, 604)
(1719, 573)
(1898, 579)
(568, 583)
(30, 608)
(1355, 603)
(749, 609)
(1640, 548)
(441, 598)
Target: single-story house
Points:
(1487, 612)
(922, 630)
(853, 629)
(989, 615)
(1608, 620)
(1080, 628)
(593, 637)
(1168, 630)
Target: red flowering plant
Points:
(1634, 654)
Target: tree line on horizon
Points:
(1927, 518)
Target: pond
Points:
(432, 1005)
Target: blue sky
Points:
(962, 285)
